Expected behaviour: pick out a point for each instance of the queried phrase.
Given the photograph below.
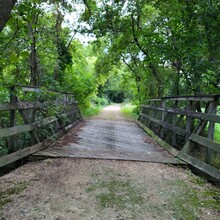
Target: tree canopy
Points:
(140, 48)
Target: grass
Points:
(116, 194)
(185, 200)
(208, 197)
(6, 194)
(217, 133)
(91, 111)
(130, 111)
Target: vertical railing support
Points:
(211, 133)
(174, 120)
(12, 122)
(163, 104)
(188, 122)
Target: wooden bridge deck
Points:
(111, 136)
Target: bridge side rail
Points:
(32, 118)
(206, 167)
(176, 121)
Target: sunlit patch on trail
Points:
(112, 108)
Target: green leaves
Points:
(14, 58)
(156, 48)
(24, 54)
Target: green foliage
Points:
(168, 46)
(129, 110)
(90, 111)
(100, 101)
(80, 77)
(143, 49)
(217, 133)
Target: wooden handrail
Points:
(188, 98)
(178, 121)
(41, 119)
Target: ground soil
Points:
(72, 189)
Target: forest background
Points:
(132, 50)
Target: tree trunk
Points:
(58, 28)
(33, 59)
(5, 11)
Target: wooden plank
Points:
(154, 113)
(154, 100)
(66, 102)
(34, 137)
(161, 142)
(174, 120)
(205, 142)
(6, 132)
(188, 122)
(30, 89)
(38, 89)
(193, 98)
(25, 105)
(206, 168)
(162, 120)
(188, 98)
(211, 134)
(201, 126)
(12, 122)
(18, 106)
(4, 160)
(193, 114)
(42, 123)
(166, 125)
(187, 147)
(45, 121)
(165, 116)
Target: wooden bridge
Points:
(31, 119)
(111, 136)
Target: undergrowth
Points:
(91, 111)
(217, 133)
(130, 111)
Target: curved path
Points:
(112, 136)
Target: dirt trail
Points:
(112, 113)
(75, 189)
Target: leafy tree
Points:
(157, 47)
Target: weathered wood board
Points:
(112, 137)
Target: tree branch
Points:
(10, 40)
(68, 46)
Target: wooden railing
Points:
(185, 126)
(31, 118)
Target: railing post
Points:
(174, 117)
(188, 122)
(211, 133)
(12, 122)
(163, 105)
